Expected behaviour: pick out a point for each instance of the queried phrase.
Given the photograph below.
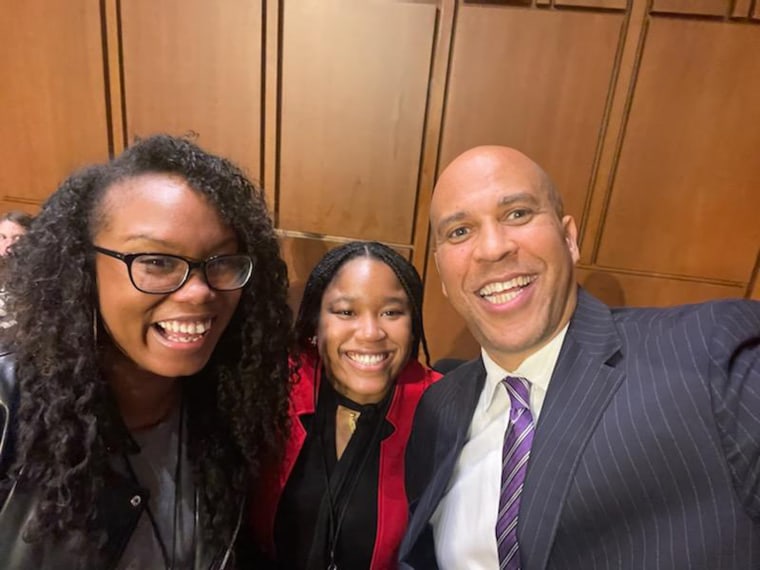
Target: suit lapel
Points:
(458, 410)
(582, 385)
(456, 396)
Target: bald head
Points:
(491, 163)
(504, 250)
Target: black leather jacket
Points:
(120, 505)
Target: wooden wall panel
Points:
(52, 100)
(741, 9)
(354, 85)
(619, 289)
(439, 73)
(603, 4)
(301, 255)
(534, 80)
(8, 205)
(194, 65)
(446, 332)
(755, 292)
(696, 7)
(349, 86)
(753, 287)
(685, 199)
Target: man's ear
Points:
(571, 237)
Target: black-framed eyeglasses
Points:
(163, 273)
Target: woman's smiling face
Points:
(365, 329)
(173, 334)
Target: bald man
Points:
(583, 437)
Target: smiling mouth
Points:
(183, 331)
(365, 359)
(504, 291)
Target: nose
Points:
(370, 328)
(195, 290)
(494, 242)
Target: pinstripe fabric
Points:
(515, 455)
(647, 451)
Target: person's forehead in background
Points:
(9, 232)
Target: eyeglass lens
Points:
(162, 273)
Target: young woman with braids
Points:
(336, 499)
(149, 371)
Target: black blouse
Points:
(311, 522)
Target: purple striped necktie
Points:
(515, 454)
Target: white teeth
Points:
(183, 327)
(367, 359)
(503, 298)
(185, 339)
(504, 291)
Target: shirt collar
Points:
(537, 368)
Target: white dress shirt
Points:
(465, 520)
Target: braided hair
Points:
(325, 271)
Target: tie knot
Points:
(518, 390)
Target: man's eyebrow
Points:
(455, 217)
(504, 201)
(519, 197)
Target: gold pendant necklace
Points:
(352, 417)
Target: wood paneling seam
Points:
(122, 81)
(660, 275)
(434, 126)
(263, 99)
(113, 75)
(272, 23)
(621, 135)
(22, 200)
(754, 277)
(614, 77)
(333, 238)
(424, 138)
(106, 75)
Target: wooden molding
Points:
(433, 128)
(270, 147)
(117, 136)
(614, 130)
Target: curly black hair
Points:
(326, 270)
(236, 405)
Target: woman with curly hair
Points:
(149, 368)
(336, 498)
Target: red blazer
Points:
(392, 507)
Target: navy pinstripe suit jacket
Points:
(646, 454)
